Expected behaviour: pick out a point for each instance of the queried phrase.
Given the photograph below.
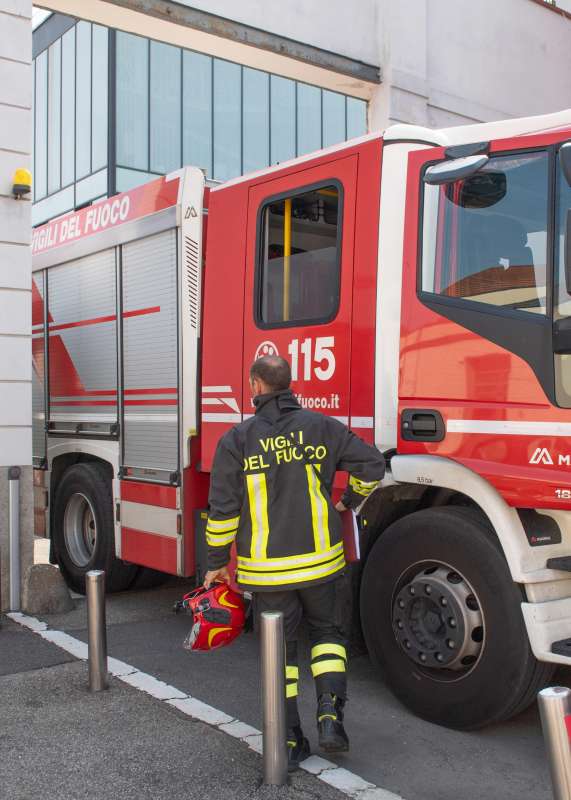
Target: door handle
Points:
(422, 425)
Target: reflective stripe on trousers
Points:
(328, 657)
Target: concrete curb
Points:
(340, 778)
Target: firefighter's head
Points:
(269, 374)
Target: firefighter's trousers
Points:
(316, 604)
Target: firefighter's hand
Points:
(340, 506)
(213, 575)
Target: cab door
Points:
(299, 275)
(479, 314)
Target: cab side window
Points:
(485, 237)
(300, 258)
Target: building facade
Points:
(136, 89)
(115, 109)
(15, 278)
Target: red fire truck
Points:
(419, 283)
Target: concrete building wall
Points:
(16, 124)
(452, 63)
(340, 26)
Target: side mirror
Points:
(483, 190)
(454, 170)
(565, 161)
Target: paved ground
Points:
(58, 741)
(390, 747)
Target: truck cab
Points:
(416, 281)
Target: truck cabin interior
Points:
(299, 257)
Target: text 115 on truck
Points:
(419, 283)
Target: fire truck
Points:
(419, 283)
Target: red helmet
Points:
(218, 614)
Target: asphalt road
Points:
(389, 746)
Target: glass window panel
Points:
(132, 101)
(256, 120)
(40, 178)
(165, 107)
(197, 110)
(333, 118)
(308, 118)
(282, 119)
(53, 206)
(300, 258)
(99, 98)
(54, 117)
(227, 120)
(68, 108)
(91, 187)
(485, 238)
(130, 178)
(562, 291)
(356, 117)
(83, 100)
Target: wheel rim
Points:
(438, 621)
(80, 529)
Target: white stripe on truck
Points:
(508, 427)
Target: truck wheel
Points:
(442, 619)
(84, 529)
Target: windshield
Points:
(485, 237)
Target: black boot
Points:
(332, 736)
(297, 748)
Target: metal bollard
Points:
(273, 698)
(554, 706)
(14, 516)
(97, 632)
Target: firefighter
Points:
(270, 492)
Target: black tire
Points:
(87, 487)
(497, 683)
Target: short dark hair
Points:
(274, 371)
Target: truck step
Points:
(562, 648)
(562, 563)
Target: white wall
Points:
(453, 62)
(516, 58)
(15, 256)
(347, 27)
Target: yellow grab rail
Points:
(287, 255)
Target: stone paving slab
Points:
(59, 741)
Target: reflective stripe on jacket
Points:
(270, 490)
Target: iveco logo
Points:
(543, 456)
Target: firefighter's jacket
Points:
(270, 491)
